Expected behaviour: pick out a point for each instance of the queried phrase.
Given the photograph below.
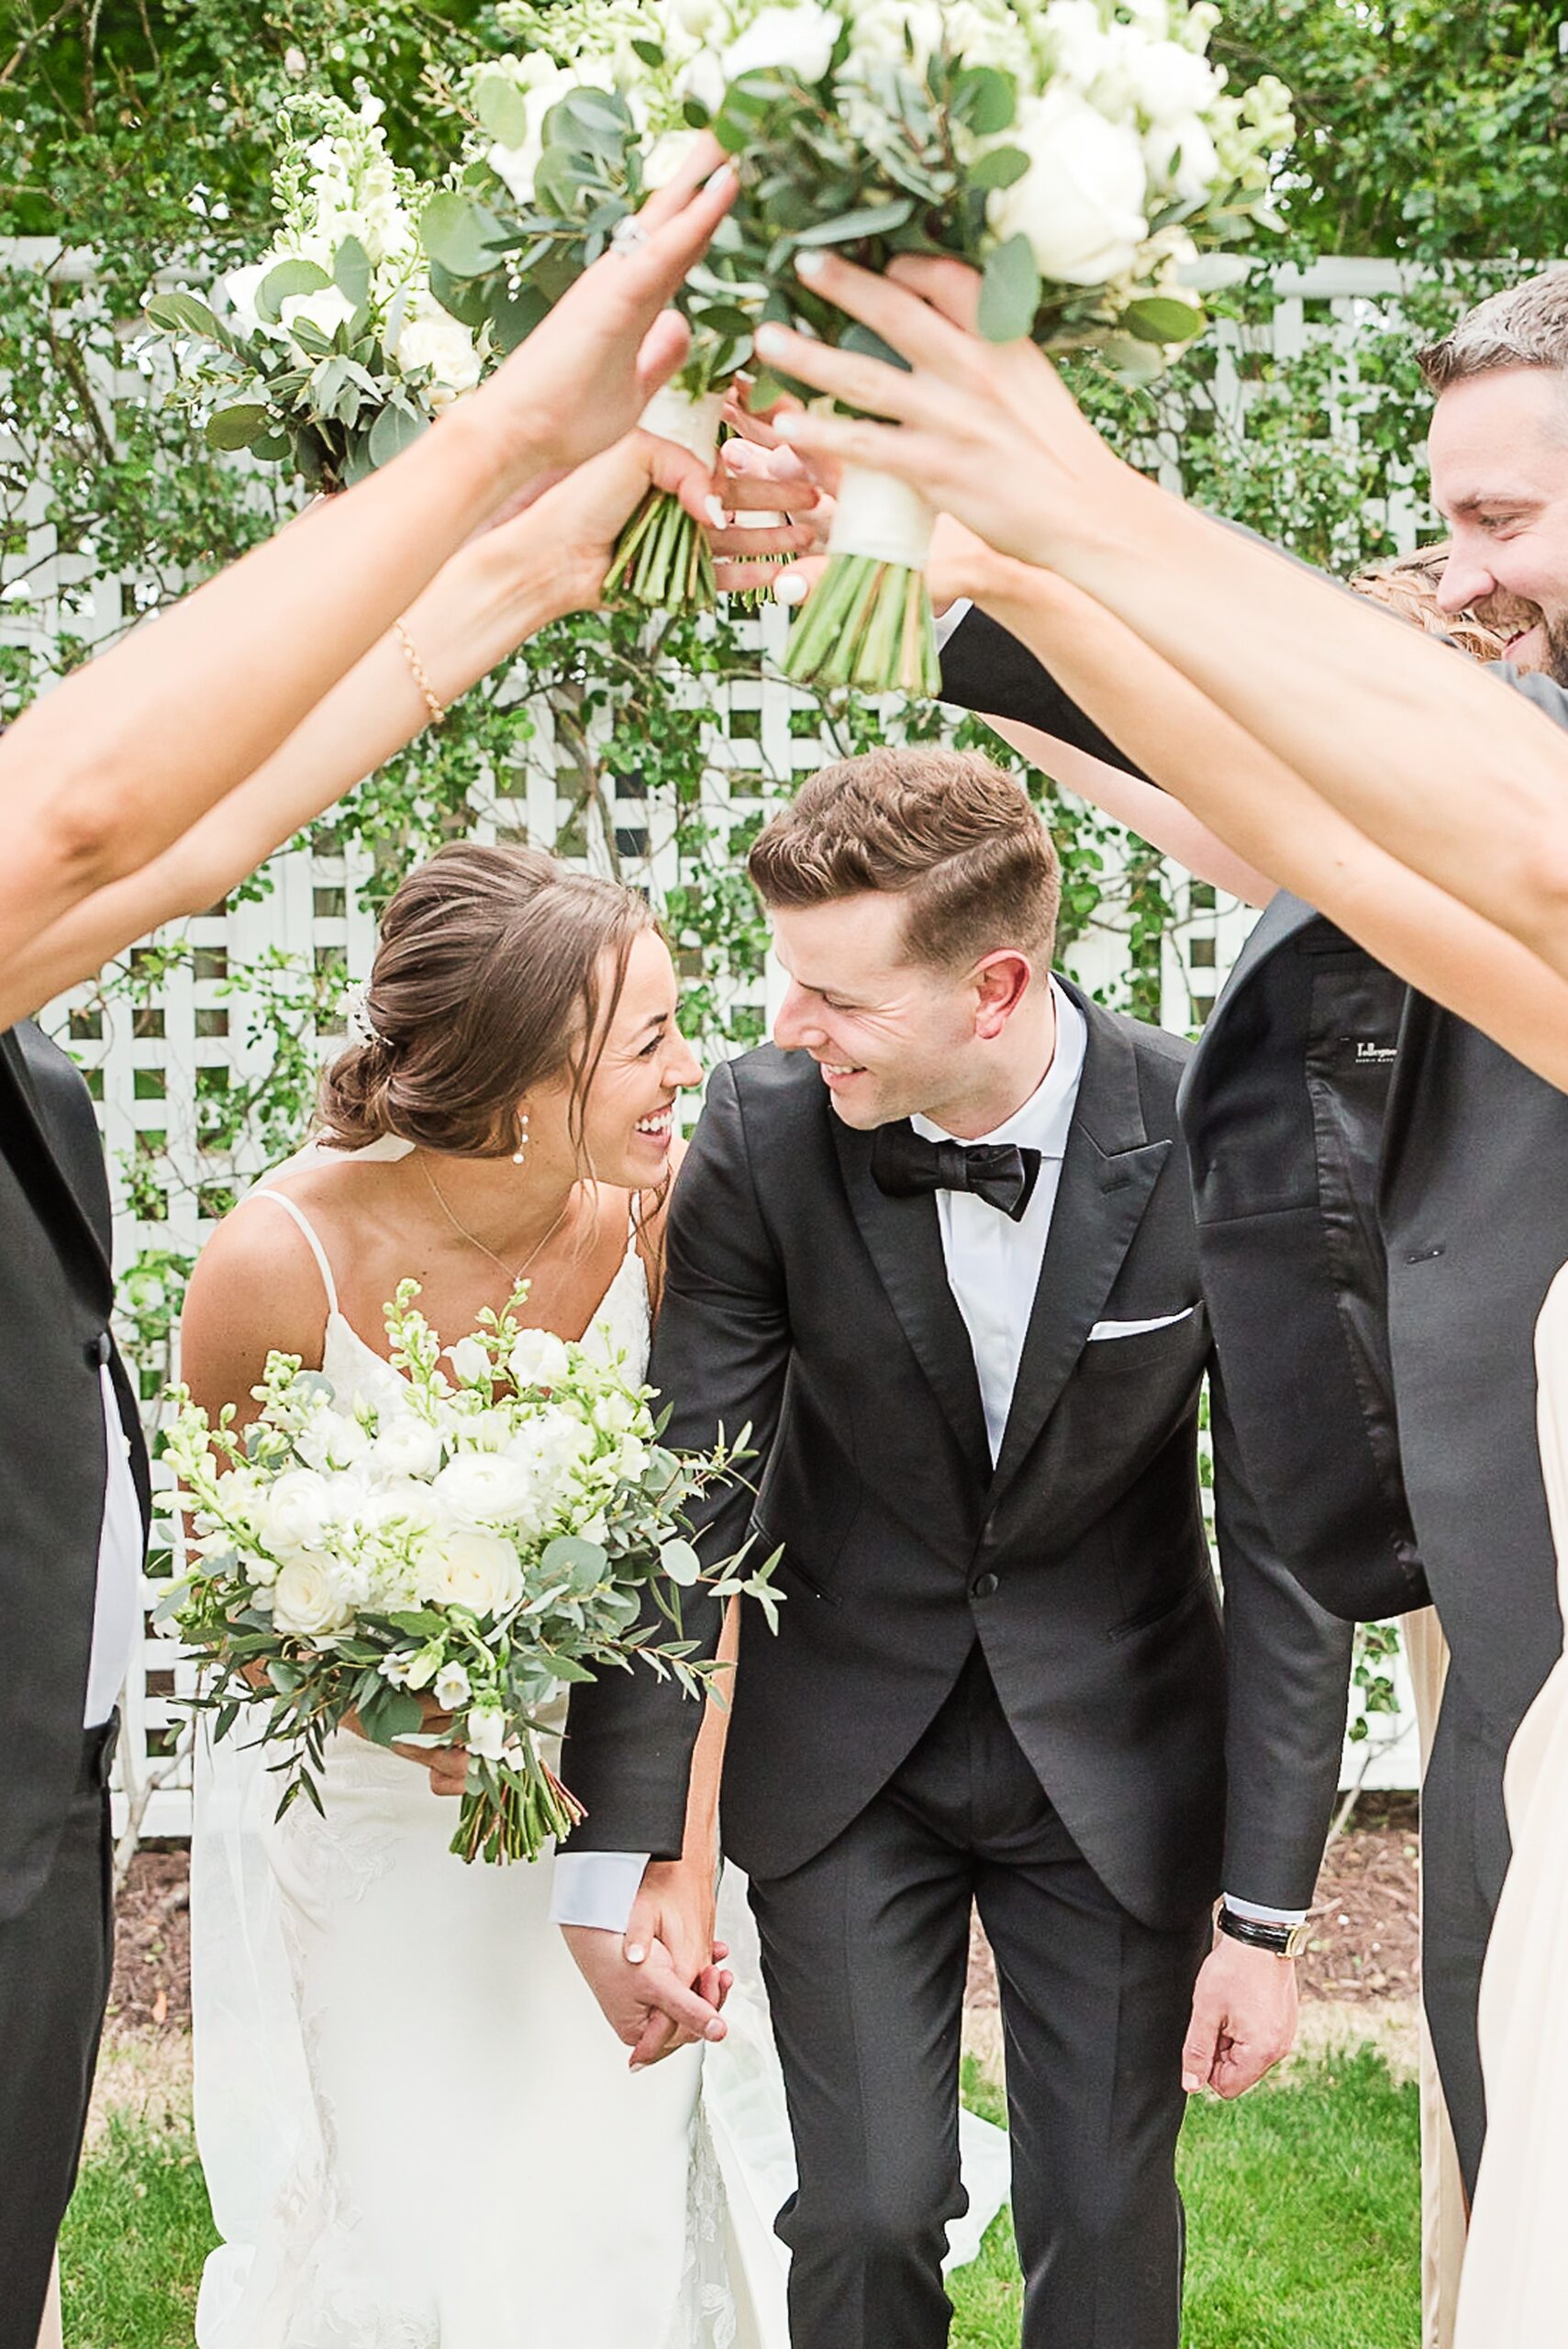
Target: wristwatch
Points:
(1283, 1940)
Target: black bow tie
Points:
(903, 1163)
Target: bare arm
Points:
(107, 770)
(1383, 726)
(487, 599)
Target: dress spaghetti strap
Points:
(312, 1243)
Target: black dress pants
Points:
(1465, 1851)
(864, 1952)
(55, 1962)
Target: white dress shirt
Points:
(994, 1268)
(116, 1606)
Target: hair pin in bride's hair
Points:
(355, 1008)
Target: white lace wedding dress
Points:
(417, 2129)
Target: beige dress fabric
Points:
(1442, 2188)
(1515, 2286)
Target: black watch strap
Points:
(1254, 1933)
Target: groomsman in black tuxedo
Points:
(1382, 1182)
(936, 1247)
(73, 1513)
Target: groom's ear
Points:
(1000, 981)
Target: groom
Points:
(939, 1250)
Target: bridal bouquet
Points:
(488, 1539)
(333, 351)
(566, 139)
(1077, 152)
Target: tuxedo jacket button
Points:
(984, 1586)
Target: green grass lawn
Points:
(1303, 2204)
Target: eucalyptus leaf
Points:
(282, 285)
(998, 167)
(985, 100)
(459, 234)
(513, 317)
(1010, 292)
(1160, 317)
(680, 1562)
(462, 298)
(503, 109)
(237, 426)
(584, 1561)
(396, 428)
(391, 1715)
(352, 271)
(872, 220)
(182, 314)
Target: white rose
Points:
(327, 309)
(468, 1358)
(408, 1446)
(1081, 202)
(475, 1570)
(447, 348)
(303, 1600)
(800, 39)
(486, 1734)
(1170, 81)
(404, 1506)
(1182, 156)
(297, 1511)
(452, 1689)
(538, 1359)
(665, 157)
(487, 1488)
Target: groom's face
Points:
(891, 1036)
(1499, 446)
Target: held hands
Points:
(1243, 2018)
(986, 431)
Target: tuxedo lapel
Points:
(905, 1241)
(38, 1164)
(1108, 1171)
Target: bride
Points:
(418, 2132)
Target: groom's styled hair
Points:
(947, 831)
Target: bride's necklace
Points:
(474, 1241)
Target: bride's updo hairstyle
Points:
(490, 976)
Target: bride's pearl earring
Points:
(521, 1152)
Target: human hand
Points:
(985, 431)
(674, 1910)
(1243, 2018)
(648, 2006)
(960, 565)
(584, 374)
(447, 1764)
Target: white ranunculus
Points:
(297, 1511)
(475, 1570)
(1081, 202)
(304, 1602)
(406, 1445)
(1170, 81)
(1183, 157)
(487, 1733)
(486, 1488)
(452, 1687)
(469, 1360)
(801, 40)
(538, 1359)
(327, 309)
(446, 346)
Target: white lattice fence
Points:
(161, 1066)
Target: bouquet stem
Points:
(662, 560)
(869, 623)
(530, 1809)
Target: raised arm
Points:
(107, 770)
(493, 594)
(1382, 725)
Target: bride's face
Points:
(628, 1116)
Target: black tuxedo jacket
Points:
(56, 1290)
(802, 1300)
(1382, 1199)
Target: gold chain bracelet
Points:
(433, 702)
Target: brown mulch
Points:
(1365, 1919)
(1363, 1946)
(152, 1943)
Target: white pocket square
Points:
(1138, 1329)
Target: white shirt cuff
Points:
(596, 1889)
(1265, 1916)
(950, 618)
